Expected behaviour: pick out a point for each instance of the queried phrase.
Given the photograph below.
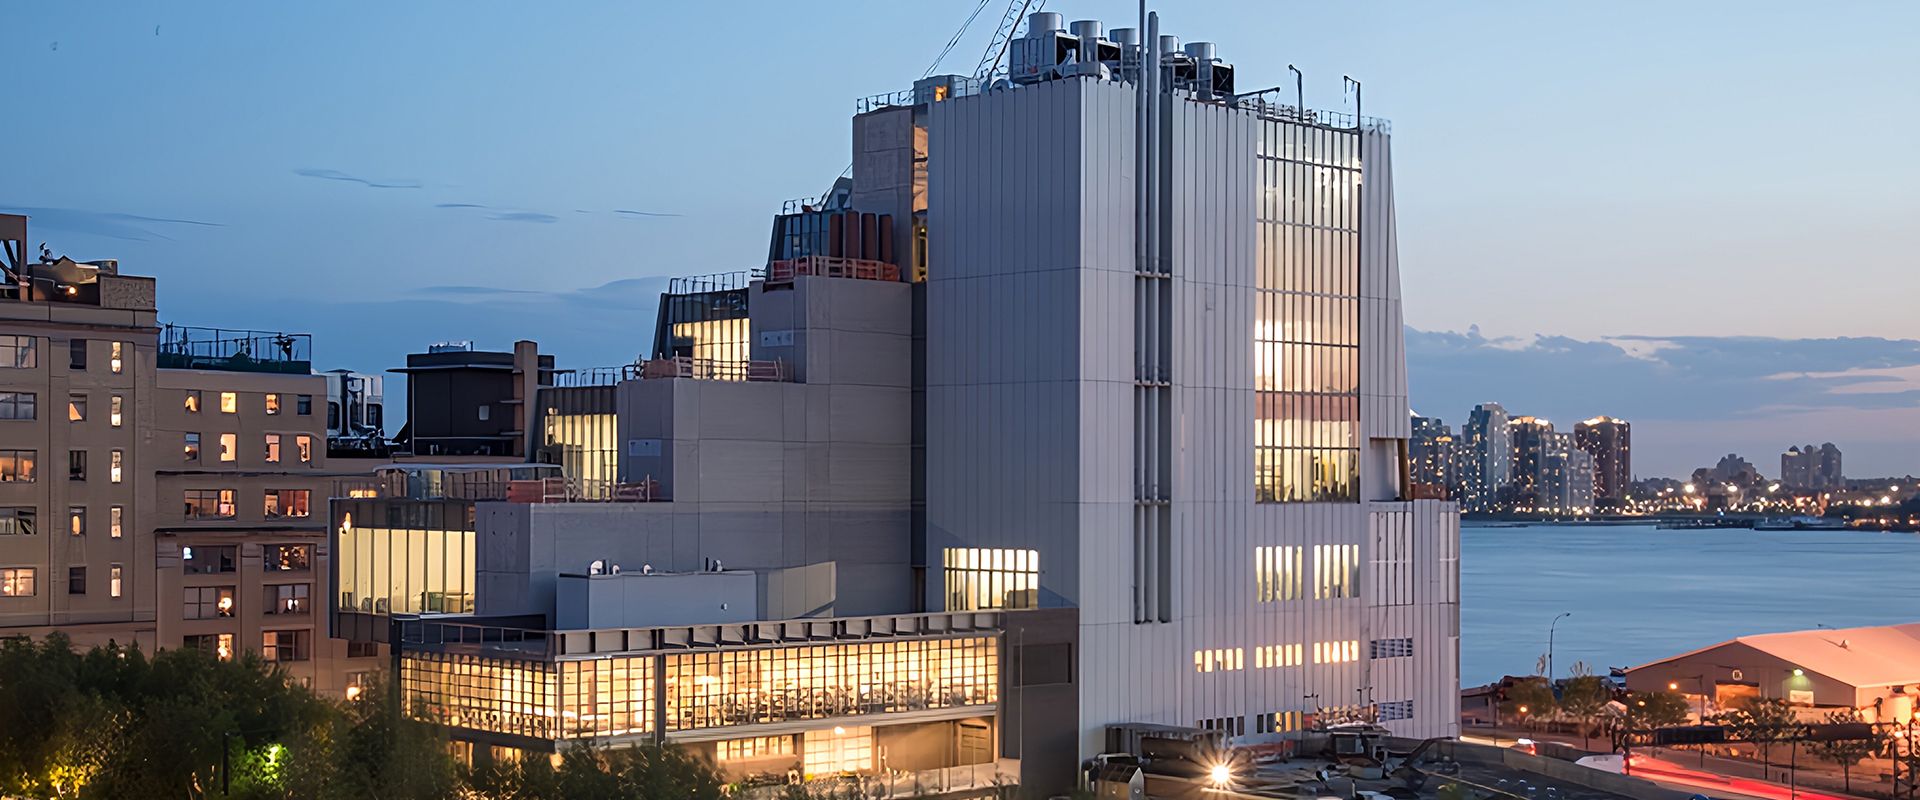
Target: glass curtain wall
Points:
(1307, 315)
(580, 433)
(406, 558)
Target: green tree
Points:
(1529, 699)
(1847, 752)
(1761, 722)
(1584, 700)
(1649, 710)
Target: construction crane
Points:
(1003, 36)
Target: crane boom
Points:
(1003, 36)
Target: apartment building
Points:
(240, 444)
(77, 355)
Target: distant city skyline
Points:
(538, 176)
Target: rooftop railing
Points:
(187, 347)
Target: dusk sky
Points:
(1695, 215)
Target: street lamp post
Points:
(1550, 627)
(1700, 683)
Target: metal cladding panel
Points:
(1383, 354)
(1425, 609)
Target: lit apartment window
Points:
(207, 602)
(113, 580)
(114, 517)
(273, 448)
(1276, 574)
(209, 503)
(76, 580)
(288, 503)
(17, 520)
(76, 465)
(192, 402)
(114, 362)
(218, 645)
(273, 403)
(16, 466)
(208, 559)
(229, 446)
(191, 451)
(288, 598)
(755, 747)
(1229, 659)
(19, 405)
(77, 407)
(16, 581)
(980, 578)
(285, 645)
(303, 405)
(1390, 648)
(116, 460)
(77, 520)
(114, 405)
(229, 403)
(1277, 655)
(304, 444)
(19, 352)
(1336, 571)
(287, 557)
(1336, 652)
(77, 355)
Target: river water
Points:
(1638, 593)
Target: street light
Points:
(1550, 627)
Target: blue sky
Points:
(1581, 173)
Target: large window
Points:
(16, 466)
(837, 750)
(207, 602)
(405, 571)
(287, 557)
(218, 645)
(17, 521)
(1306, 334)
(208, 559)
(1336, 571)
(1336, 652)
(752, 748)
(19, 405)
(209, 503)
(288, 503)
(1277, 655)
(16, 582)
(286, 645)
(1277, 574)
(288, 598)
(978, 578)
(19, 352)
(710, 690)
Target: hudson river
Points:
(1638, 593)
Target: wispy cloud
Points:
(337, 175)
(458, 205)
(105, 224)
(524, 216)
(632, 213)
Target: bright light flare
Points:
(1220, 774)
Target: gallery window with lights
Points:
(1220, 659)
(1277, 574)
(1336, 571)
(1336, 652)
(984, 578)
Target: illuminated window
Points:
(406, 570)
(229, 403)
(77, 407)
(288, 503)
(16, 466)
(229, 446)
(114, 362)
(113, 580)
(1278, 722)
(286, 645)
(116, 461)
(1336, 571)
(218, 645)
(192, 403)
(273, 448)
(1390, 648)
(839, 750)
(1276, 574)
(720, 348)
(207, 602)
(1230, 659)
(16, 582)
(287, 557)
(304, 444)
(755, 747)
(1277, 655)
(114, 405)
(17, 520)
(208, 503)
(19, 405)
(273, 403)
(77, 520)
(288, 598)
(190, 452)
(979, 578)
(704, 690)
(1336, 652)
(21, 352)
(115, 515)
